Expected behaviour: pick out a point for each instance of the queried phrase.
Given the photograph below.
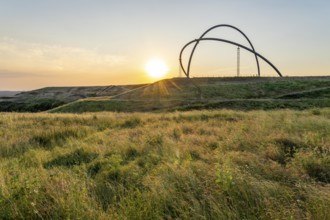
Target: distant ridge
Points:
(9, 93)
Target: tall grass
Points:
(191, 165)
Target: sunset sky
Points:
(105, 42)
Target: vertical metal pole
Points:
(238, 61)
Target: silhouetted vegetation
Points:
(36, 105)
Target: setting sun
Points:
(156, 68)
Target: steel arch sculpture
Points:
(218, 26)
(196, 41)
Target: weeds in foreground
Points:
(192, 165)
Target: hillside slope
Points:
(50, 97)
(178, 94)
(233, 93)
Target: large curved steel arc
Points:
(233, 43)
(208, 30)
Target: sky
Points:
(107, 42)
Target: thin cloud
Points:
(13, 74)
(20, 57)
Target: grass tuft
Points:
(75, 158)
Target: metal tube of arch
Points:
(202, 36)
(229, 42)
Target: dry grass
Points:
(192, 165)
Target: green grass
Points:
(31, 105)
(257, 104)
(254, 90)
(218, 93)
(217, 164)
(185, 105)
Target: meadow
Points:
(218, 164)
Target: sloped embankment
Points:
(216, 93)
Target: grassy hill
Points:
(212, 93)
(243, 93)
(219, 164)
(51, 97)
